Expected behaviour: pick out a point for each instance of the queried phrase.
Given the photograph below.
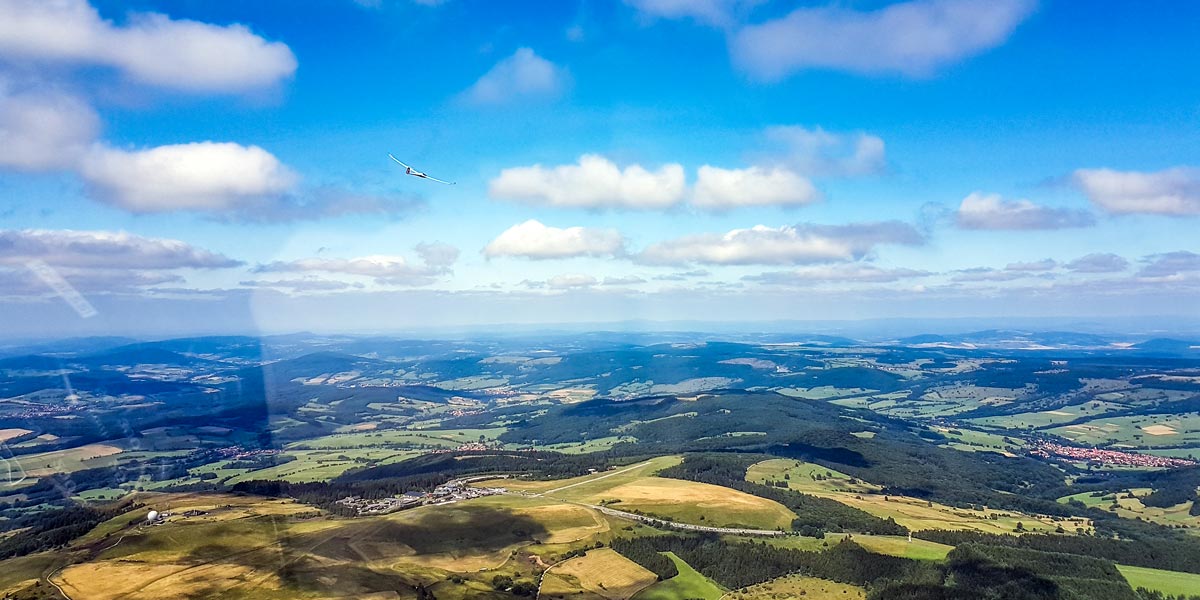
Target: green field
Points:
(1133, 508)
(425, 438)
(1167, 582)
(1136, 432)
(688, 584)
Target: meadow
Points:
(688, 584)
(796, 586)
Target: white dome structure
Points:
(152, 516)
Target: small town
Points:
(447, 493)
(1108, 457)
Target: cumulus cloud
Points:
(387, 270)
(911, 38)
(990, 211)
(723, 189)
(816, 152)
(800, 244)
(105, 250)
(1170, 265)
(595, 182)
(1172, 192)
(202, 176)
(852, 272)
(151, 48)
(523, 76)
(44, 129)
(1098, 263)
(532, 239)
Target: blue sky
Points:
(189, 166)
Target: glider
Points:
(415, 173)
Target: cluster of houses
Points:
(448, 493)
(1107, 457)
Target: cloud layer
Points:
(104, 249)
(787, 245)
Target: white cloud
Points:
(523, 76)
(202, 176)
(532, 239)
(709, 12)
(1171, 192)
(387, 270)
(1098, 263)
(817, 152)
(852, 272)
(104, 250)
(911, 38)
(151, 48)
(990, 211)
(723, 189)
(571, 281)
(801, 244)
(595, 182)
(44, 129)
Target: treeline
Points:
(975, 571)
(740, 564)
(1158, 553)
(814, 516)
(1146, 594)
(53, 528)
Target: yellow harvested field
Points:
(15, 432)
(602, 573)
(1159, 430)
(64, 461)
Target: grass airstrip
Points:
(635, 488)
